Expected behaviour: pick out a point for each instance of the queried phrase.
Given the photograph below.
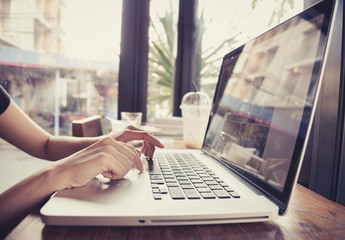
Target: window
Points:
(162, 54)
(59, 60)
(221, 25)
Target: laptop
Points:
(253, 148)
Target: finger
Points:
(150, 150)
(134, 133)
(123, 159)
(124, 148)
(139, 165)
(137, 161)
(124, 152)
(146, 136)
(152, 140)
(131, 127)
(108, 174)
(112, 167)
(144, 149)
(118, 155)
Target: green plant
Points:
(162, 62)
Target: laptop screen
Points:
(264, 100)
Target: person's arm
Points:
(82, 160)
(18, 129)
(109, 157)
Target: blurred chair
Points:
(87, 127)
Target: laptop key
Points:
(176, 193)
(185, 183)
(192, 194)
(157, 182)
(235, 195)
(207, 178)
(182, 175)
(170, 181)
(172, 184)
(196, 181)
(208, 195)
(215, 187)
(156, 177)
(187, 186)
(157, 196)
(169, 176)
(193, 176)
(211, 182)
(204, 190)
(163, 190)
(221, 193)
(200, 185)
(182, 179)
(153, 167)
(156, 191)
(229, 189)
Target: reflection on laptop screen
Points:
(264, 100)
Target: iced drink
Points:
(195, 114)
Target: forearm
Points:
(19, 130)
(19, 200)
(63, 146)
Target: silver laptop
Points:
(253, 148)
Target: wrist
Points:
(52, 178)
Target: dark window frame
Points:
(133, 68)
(185, 69)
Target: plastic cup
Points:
(196, 109)
(131, 118)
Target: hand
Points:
(131, 133)
(111, 158)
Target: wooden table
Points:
(310, 216)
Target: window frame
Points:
(133, 68)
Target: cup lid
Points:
(195, 99)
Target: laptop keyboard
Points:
(183, 176)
